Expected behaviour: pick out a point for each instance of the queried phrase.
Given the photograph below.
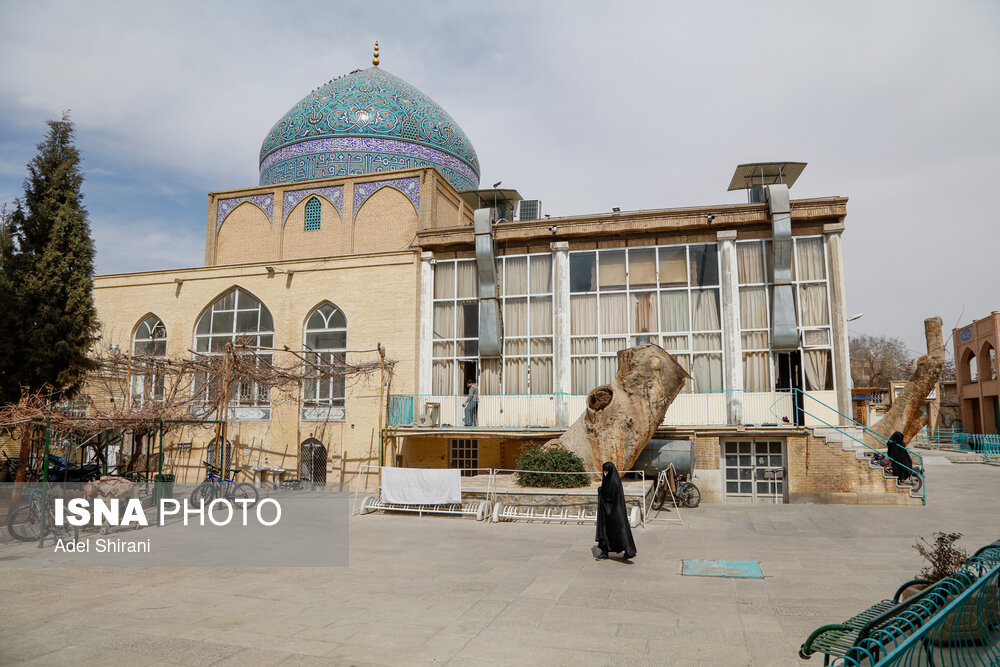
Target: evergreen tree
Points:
(50, 268)
(9, 309)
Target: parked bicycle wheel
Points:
(688, 495)
(203, 493)
(25, 524)
(246, 490)
(659, 498)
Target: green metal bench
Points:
(838, 639)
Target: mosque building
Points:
(363, 230)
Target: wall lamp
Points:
(855, 317)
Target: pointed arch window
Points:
(149, 349)
(314, 211)
(325, 347)
(239, 318)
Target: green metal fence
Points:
(956, 622)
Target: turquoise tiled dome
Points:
(366, 122)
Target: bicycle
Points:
(216, 486)
(670, 483)
(25, 525)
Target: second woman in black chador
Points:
(613, 531)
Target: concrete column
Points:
(838, 310)
(425, 335)
(561, 377)
(732, 346)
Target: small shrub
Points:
(538, 457)
(944, 558)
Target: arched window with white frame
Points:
(240, 318)
(149, 348)
(323, 395)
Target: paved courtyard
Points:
(453, 591)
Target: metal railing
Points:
(580, 514)
(689, 408)
(954, 622)
(941, 438)
(804, 401)
(479, 508)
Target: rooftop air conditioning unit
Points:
(528, 209)
(424, 420)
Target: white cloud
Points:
(585, 105)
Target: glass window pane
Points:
(674, 311)
(468, 320)
(541, 316)
(515, 276)
(704, 265)
(246, 321)
(326, 340)
(222, 322)
(444, 280)
(467, 288)
(226, 302)
(811, 262)
(266, 321)
(705, 310)
(444, 320)
(582, 271)
(614, 313)
(338, 320)
(813, 305)
(316, 321)
(673, 266)
(642, 268)
(541, 274)
(611, 268)
(753, 308)
(643, 312)
(583, 314)
(583, 346)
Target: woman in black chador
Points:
(613, 532)
(899, 457)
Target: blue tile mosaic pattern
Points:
(408, 186)
(335, 195)
(394, 125)
(226, 206)
(731, 569)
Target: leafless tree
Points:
(877, 360)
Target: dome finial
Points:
(375, 56)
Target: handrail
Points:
(877, 436)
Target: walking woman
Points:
(613, 531)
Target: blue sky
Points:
(584, 105)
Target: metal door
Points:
(754, 471)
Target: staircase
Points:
(850, 439)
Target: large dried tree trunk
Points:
(905, 414)
(621, 417)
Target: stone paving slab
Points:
(424, 590)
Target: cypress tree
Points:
(51, 269)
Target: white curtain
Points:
(812, 303)
(706, 342)
(811, 264)
(467, 288)
(442, 380)
(583, 346)
(541, 316)
(541, 274)
(444, 280)
(444, 320)
(750, 262)
(756, 371)
(515, 317)
(583, 314)
(707, 372)
(515, 376)
(584, 371)
(614, 313)
(609, 369)
(705, 309)
(753, 307)
(489, 377)
(674, 311)
(515, 276)
(675, 343)
(541, 375)
(816, 369)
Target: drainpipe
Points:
(732, 348)
(784, 330)
(490, 327)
